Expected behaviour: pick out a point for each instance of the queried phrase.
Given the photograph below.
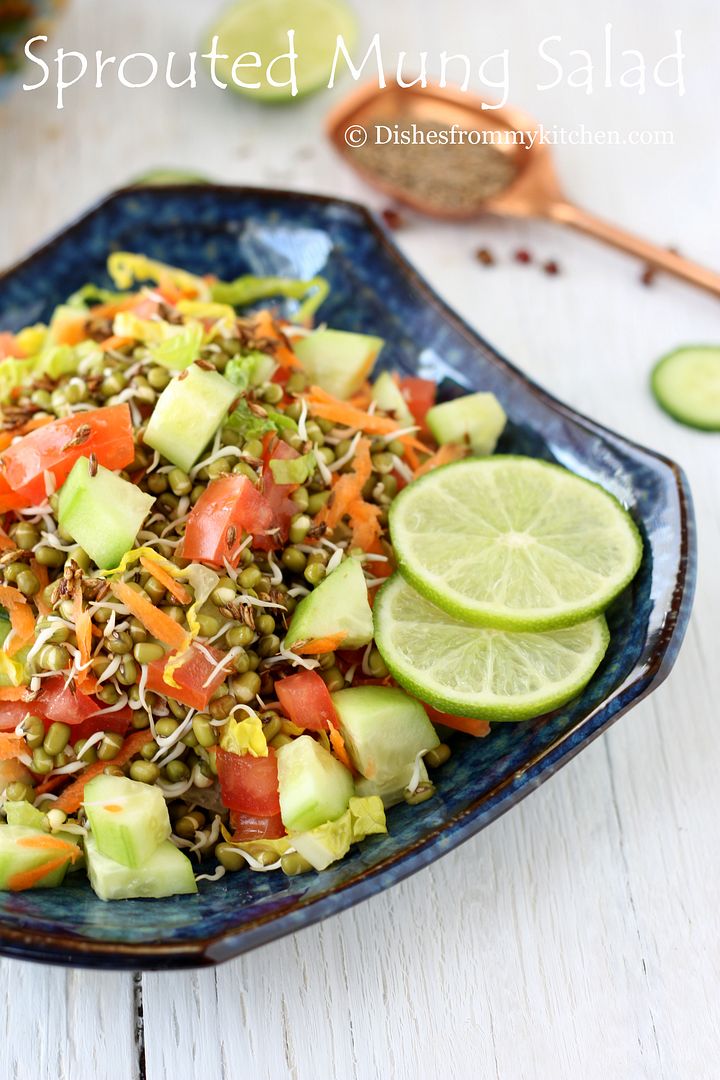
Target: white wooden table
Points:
(578, 937)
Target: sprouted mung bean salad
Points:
(240, 617)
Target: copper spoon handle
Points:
(650, 253)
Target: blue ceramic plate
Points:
(228, 231)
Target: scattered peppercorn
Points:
(392, 218)
(522, 256)
(551, 267)
(485, 256)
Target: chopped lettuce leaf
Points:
(326, 843)
(13, 373)
(293, 470)
(246, 422)
(126, 268)
(367, 815)
(252, 369)
(203, 581)
(57, 361)
(248, 289)
(245, 737)
(179, 350)
(262, 847)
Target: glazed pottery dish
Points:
(477, 586)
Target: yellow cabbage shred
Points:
(125, 268)
(245, 737)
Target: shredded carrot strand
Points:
(85, 680)
(109, 311)
(71, 798)
(348, 487)
(14, 693)
(328, 407)
(115, 341)
(41, 573)
(27, 879)
(315, 646)
(175, 588)
(264, 326)
(447, 453)
(22, 619)
(156, 622)
(11, 746)
(6, 543)
(338, 744)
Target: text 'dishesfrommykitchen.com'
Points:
(358, 135)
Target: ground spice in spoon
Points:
(447, 175)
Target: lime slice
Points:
(513, 543)
(475, 671)
(261, 26)
(686, 384)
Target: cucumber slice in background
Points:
(686, 385)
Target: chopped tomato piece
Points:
(64, 704)
(278, 497)
(119, 722)
(107, 433)
(12, 712)
(306, 700)
(251, 827)
(248, 783)
(228, 508)
(191, 677)
(420, 397)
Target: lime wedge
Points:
(475, 671)
(513, 543)
(261, 26)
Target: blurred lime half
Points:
(261, 26)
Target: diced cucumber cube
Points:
(337, 360)
(384, 730)
(314, 786)
(391, 791)
(477, 418)
(386, 393)
(167, 872)
(129, 820)
(103, 513)
(187, 414)
(24, 849)
(24, 813)
(339, 604)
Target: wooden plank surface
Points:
(578, 936)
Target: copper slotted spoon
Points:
(535, 191)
